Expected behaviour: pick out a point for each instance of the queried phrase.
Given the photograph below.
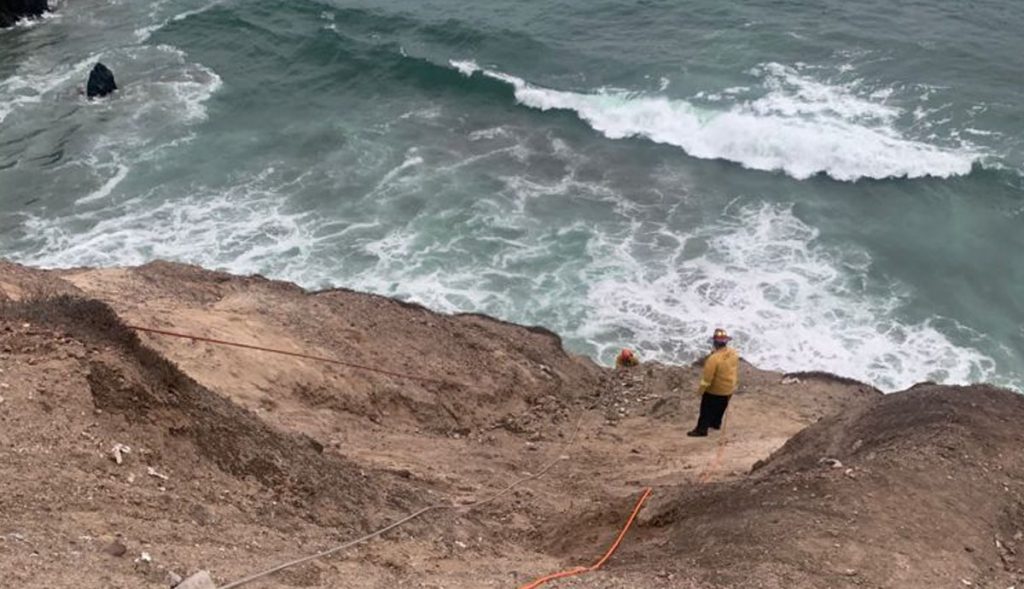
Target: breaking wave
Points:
(800, 127)
(791, 302)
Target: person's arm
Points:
(708, 374)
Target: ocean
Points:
(838, 183)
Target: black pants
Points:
(712, 409)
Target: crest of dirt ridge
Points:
(193, 470)
(923, 488)
(477, 372)
(135, 383)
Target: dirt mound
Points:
(923, 488)
(75, 384)
(979, 422)
(19, 282)
(492, 371)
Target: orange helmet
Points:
(626, 358)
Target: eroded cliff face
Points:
(241, 458)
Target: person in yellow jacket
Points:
(717, 383)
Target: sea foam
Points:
(791, 302)
(799, 126)
(243, 227)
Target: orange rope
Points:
(705, 475)
(532, 585)
(607, 555)
(295, 354)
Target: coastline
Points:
(268, 457)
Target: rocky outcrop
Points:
(101, 82)
(11, 11)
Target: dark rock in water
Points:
(101, 81)
(13, 10)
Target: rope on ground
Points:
(299, 561)
(409, 518)
(467, 506)
(704, 477)
(297, 355)
(604, 558)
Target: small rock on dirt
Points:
(153, 473)
(118, 452)
(200, 580)
(115, 548)
(831, 462)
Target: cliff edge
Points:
(130, 459)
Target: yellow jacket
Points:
(720, 374)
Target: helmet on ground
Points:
(720, 336)
(626, 358)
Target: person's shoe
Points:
(715, 427)
(697, 433)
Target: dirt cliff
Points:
(240, 459)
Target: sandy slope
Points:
(272, 457)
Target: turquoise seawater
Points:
(839, 183)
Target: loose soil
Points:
(241, 459)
